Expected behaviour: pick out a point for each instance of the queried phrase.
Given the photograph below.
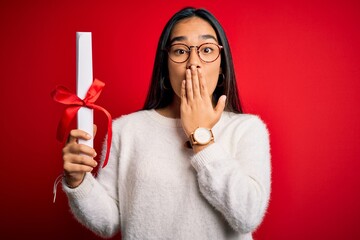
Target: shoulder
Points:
(130, 117)
(243, 120)
(138, 118)
(245, 129)
(244, 126)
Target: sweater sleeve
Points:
(94, 203)
(238, 184)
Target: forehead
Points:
(192, 27)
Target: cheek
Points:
(176, 75)
(176, 70)
(212, 76)
(212, 82)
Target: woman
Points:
(190, 165)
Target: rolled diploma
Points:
(84, 79)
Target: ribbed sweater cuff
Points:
(82, 190)
(212, 153)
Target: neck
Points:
(171, 111)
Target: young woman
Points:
(190, 165)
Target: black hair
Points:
(160, 93)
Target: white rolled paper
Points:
(84, 79)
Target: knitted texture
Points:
(155, 188)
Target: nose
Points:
(194, 58)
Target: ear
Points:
(220, 72)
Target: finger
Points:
(80, 160)
(220, 106)
(76, 134)
(189, 91)
(76, 168)
(203, 88)
(183, 92)
(195, 81)
(80, 149)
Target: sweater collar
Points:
(165, 121)
(176, 122)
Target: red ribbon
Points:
(74, 103)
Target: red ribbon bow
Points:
(63, 95)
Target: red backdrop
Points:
(297, 65)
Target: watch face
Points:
(202, 135)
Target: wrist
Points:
(198, 148)
(72, 181)
(201, 136)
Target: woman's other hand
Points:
(78, 158)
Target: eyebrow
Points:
(208, 36)
(182, 38)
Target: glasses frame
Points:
(197, 51)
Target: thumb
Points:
(220, 106)
(94, 130)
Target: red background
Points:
(297, 64)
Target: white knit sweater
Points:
(155, 188)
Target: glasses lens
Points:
(179, 53)
(209, 52)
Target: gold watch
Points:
(201, 136)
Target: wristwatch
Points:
(201, 136)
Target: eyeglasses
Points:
(207, 52)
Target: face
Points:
(193, 31)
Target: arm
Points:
(235, 178)
(93, 207)
(238, 186)
(93, 202)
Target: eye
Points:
(178, 50)
(207, 50)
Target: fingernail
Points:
(95, 154)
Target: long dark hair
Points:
(160, 93)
